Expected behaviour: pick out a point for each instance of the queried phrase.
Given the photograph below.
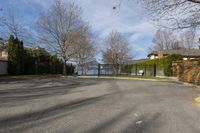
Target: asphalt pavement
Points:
(78, 105)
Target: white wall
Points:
(152, 57)
(3, 67)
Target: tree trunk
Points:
(64, 68)
(82, 69)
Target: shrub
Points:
(168, 63)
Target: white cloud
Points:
(129, 18)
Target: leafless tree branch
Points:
(118, 49)
(176, 14)
(61, 29)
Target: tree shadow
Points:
(106, 124)
(13, 97)
(27, 120)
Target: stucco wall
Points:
(3, 67)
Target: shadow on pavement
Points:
(107, 124)
(23, 121)
(38, 90)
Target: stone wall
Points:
(187, 71)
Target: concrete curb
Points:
(197, 100)
(191, 85)
(126, 78)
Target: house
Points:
(187, 54)
(37, 51)
(137, 61)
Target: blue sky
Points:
(129, 19)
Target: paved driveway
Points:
(67, 105)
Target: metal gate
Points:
(127, 70)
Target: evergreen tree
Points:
(22, 57)
(10, 48)
(15, 56)
(11, 54)
(31, 61)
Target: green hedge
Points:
(28, 61)
(165, 63)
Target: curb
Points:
(125, 78)
(191, 85)
(197, 101)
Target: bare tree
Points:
(188, 39)
(177, 45)
(118, 49)
(11, 25)
(60, 28)
(166, 40)
(163, 40)
(87, 50)
(176, 14)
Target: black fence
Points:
(41, 68)
(127, 70)
(48, 68)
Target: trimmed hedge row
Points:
(165, 63)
